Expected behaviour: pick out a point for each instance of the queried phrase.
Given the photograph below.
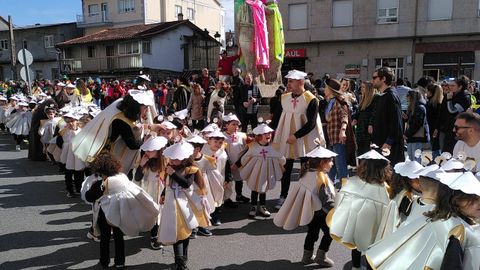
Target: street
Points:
(43, 229)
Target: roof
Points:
(38, 25)
(131, 32)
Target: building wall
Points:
(207, 14)
(368, 39)
(334, 56)
(34, 36)
(167, 52)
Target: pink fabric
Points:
(262, 60)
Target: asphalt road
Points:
(40, 228)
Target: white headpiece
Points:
(296, 75)
(408, 168)
(154, 143)
(372, 154)
(196, 139)
(142, 97)
(262, 129)
(320, 152)
(180, 151)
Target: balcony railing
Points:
(108, 63)
(94, 20)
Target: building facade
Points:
(101, 14)
(160, 49)
(347, 38)
(40, 40)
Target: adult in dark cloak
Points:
(387, 123)
(35, 147)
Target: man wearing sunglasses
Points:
(387, 128)
(467, 132)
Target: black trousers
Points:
(198, 124)
(238, 187)
(180, 248)
(254, 198)
(250, 118)
(18, 138)
(287, 175)
(318, 223)
(154, 231)
(72, 176)
(105, 234)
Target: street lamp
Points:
(206, 45)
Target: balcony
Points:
(100, 19)
(105, 64)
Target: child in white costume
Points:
(308, 203)
(446, 238)
(236, 144)
(208, 167)
(261, 166)
(19, 123)
(360, 206)
(3, 116)
(47, 129)
(151, 174)
(74, 167)
(181, 213)
(216, 149)
(124, 207)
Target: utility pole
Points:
(11, 39)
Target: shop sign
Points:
(352, 71)
(295, 53)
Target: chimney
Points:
(180, 16)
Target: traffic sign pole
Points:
(27, 71)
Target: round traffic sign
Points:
(23, 74)
(28, 56)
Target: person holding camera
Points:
(250, 97)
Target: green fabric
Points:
(279, 41)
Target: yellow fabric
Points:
(183, 232)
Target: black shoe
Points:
(216, 222)
(155, 244)
(230, 204)
(204, 231)
(242, 199)
(338, 185)
(104, 265)
(194, 234)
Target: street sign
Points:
(28, 57)
(23, 74)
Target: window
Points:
(38, 74)
(91, 52)
(178, 10)
(297, 16)
(128, 48)
(147, 47)
(440, 9)
(93, 10)
(387, 11)
(342, 13)
(49, 41)
(478, 10)
(125, 6)
(3, 44)
(394, 63)
(190, 14)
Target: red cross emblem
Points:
(295, 101)
(264, 153)
(233, 137)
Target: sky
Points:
(30, 12)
